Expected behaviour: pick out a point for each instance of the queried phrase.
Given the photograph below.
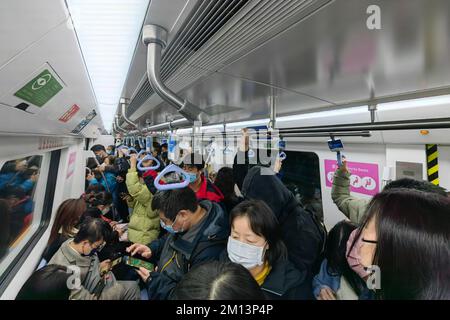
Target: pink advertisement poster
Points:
(71, 164)
(364, 176)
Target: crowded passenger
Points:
(111, 150)
(256, 243)
(97, 282)
(224, 181)
(165, 154)
(336, 279)
(355, 208)
(194, 164)
(48, 283)
(65, 225)
(144, 223)
(218, 281)
(405, 235)
(267, 247)
(303, 234)
(99, 205)
(197, 232)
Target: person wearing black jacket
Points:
(303, 234)
(197, 232)
(256, 243)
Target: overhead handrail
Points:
(141, 142)
(124, 103)
(154, 38)
(169, 169)
(148, 157)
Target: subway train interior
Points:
(290, 149)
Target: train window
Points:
(301, 174)
(21, 201)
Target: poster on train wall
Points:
(364, 177)
(71, 164)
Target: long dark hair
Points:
(413, 244)
(225, 182)
(218, 281)
(67, 217)
(264, 223)
(48, 283)
(335, 253)
(97, 199)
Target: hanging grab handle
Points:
(282, 156)
(169, 169)
(127, 152)
(148, 143)
(148, 157)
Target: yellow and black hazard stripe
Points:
(432, 164)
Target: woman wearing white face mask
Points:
(255, 243)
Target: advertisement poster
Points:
(364, 177)
(71, 164)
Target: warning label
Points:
(40, 90)
(69, 113)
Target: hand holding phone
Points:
(138, 263)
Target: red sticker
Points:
(69, 113)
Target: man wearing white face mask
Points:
(197, 232)
(255, 243)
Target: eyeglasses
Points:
(369, 241)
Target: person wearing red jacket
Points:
(193, 164)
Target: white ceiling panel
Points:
(23, 22)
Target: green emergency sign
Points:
(40, 90)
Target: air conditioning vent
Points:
(219, 32)
(209, 16)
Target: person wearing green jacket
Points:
(354, 208)
(144, 223)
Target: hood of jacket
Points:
(214, 228)
(261, 183)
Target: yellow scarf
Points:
(261, 277)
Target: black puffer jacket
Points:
(303, 235)
(285, 282)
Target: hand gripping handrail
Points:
(148, 157)
(169, 169)
(128, 148)
(141, 142)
